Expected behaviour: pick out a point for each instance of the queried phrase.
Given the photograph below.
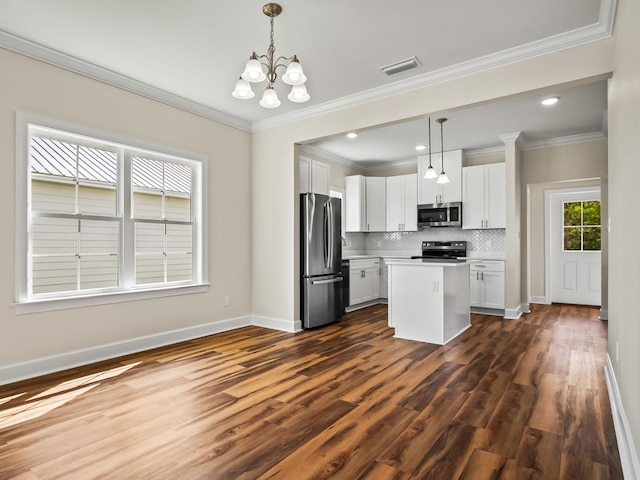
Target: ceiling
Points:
(189, 53)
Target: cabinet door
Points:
(452, 191)
(410, 184)
(355, 203)
(474, 288)
(428, 189)
(495, 194)
(305, 175)
(473, 197)
(357, 286)
(376, 199)
(320, 176)
(493, 286)
(395, 204)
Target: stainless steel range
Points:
(450, 251)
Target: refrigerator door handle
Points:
(325, 247)
(331, 233)
(322, 282)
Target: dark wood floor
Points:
(508, 399)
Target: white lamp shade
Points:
(298, 94)
(443, 178)
(294, 74)
(270, 99)
(430, 173)
(253, 72)
(243, 90)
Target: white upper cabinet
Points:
(366, 203)
(484, 196)
(376, 204)
(402, 203)
(314, 176)
(431, 192)
(355, 203)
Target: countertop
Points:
(420, 262)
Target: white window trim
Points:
(23, 303)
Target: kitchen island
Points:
(428, 301)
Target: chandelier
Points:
(254, 72)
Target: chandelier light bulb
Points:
(270, 99)
(294, 74)
(243, 90)
(253, 71)
(298, 94)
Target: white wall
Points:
(39, 88)
(624, 172)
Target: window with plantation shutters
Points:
(102, 217)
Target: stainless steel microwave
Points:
(440, 215)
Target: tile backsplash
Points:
(477, 240)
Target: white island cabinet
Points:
(428, 302)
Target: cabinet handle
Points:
(368, 228)
(482, 276)
(477, 275)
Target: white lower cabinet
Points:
(364, 280)
(486, 284)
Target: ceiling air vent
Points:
(401, 66)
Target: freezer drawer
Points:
(321, 300)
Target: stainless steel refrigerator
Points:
(321, 260)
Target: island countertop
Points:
(427, 263)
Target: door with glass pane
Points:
(575, 247)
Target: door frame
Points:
(547, 226)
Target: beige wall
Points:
(564, 166)
(275, 222)
(42, 89)
(624, 171)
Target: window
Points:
(101, 218)
(581, 226)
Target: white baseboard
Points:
(537, 299)
(513, 313)
(626, 446)
(56, 363)
(277, 324)
(604, 314)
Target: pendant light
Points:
(430, 172)
(443, 176)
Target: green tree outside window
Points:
(581, 226)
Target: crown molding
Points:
(514, 137)
(90, 70)
(581, 36)
(555, 142)
(328, 156)
(484, 152)
(387, 165)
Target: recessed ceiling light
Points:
(352, 134)
(550, 101)
(421, 147)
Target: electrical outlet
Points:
(436, 286)
(227, 302)
(379, 244)
(487, 244)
